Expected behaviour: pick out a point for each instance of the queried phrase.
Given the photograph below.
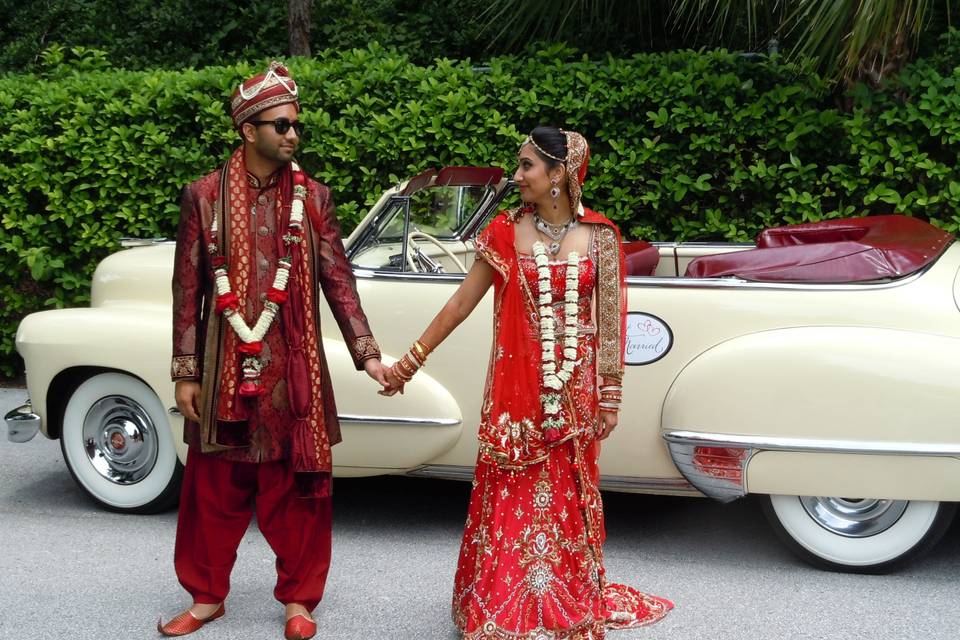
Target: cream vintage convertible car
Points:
(818, 369)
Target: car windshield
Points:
(439, 213)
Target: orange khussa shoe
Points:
(299, 627)
(186, 622)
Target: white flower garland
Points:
(280, 279)
(229, 304)
(259, 330)
(556, 374)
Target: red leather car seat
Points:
(849, 250)
(641, 258)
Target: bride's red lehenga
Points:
(531, 560)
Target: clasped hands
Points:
(384, 375)
(187, 392)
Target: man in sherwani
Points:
(257, 241)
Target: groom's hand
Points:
(376, 370)
(187, 395)
(393, 383)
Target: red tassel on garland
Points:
(250, 388)
(250, 348)
(229, 300)
(276, 295)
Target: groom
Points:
(256, 238)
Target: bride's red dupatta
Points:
(511, 415)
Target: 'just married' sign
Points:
(648, 338)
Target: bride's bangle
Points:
(407, 366)
(609, 402)
(404, 368)
(419, 351)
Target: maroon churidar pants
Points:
(216, 502)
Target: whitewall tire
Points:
(857, 535)
(117, 444)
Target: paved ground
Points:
(70, 570)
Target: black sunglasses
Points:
(281, 125)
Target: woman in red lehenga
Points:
(531, 560)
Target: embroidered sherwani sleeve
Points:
(339, 285)
(187, 292)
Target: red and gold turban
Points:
(261, 92)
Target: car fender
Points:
(56, 342)
(825, 399)
(389, 434)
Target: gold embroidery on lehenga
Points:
(494, 259)
(514, 214)
(608, 305)
(576, 154)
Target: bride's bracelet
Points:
(611, 394)
(610, 397)
(407, 366)
(419, 353)
(404, 369)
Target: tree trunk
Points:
(298, 26)
(885, 61)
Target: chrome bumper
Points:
(22, 424)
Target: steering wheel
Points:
(413, 246)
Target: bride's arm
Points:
(464, 300)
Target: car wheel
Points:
(117, 444)
(858, 535)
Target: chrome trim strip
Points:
(611, 483)
(22, 424)
(404, 249)
(361, 272)
(127, 243)
(815, 445)
(443, 472)
(425, 422)
(692, 244)
(630, 483)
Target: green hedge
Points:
(685, 146)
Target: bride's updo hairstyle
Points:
(550, 144)
(568, 148)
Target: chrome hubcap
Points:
(120, 439)
(854, 517)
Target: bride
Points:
(531, 560)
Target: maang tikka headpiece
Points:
(530, 140)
